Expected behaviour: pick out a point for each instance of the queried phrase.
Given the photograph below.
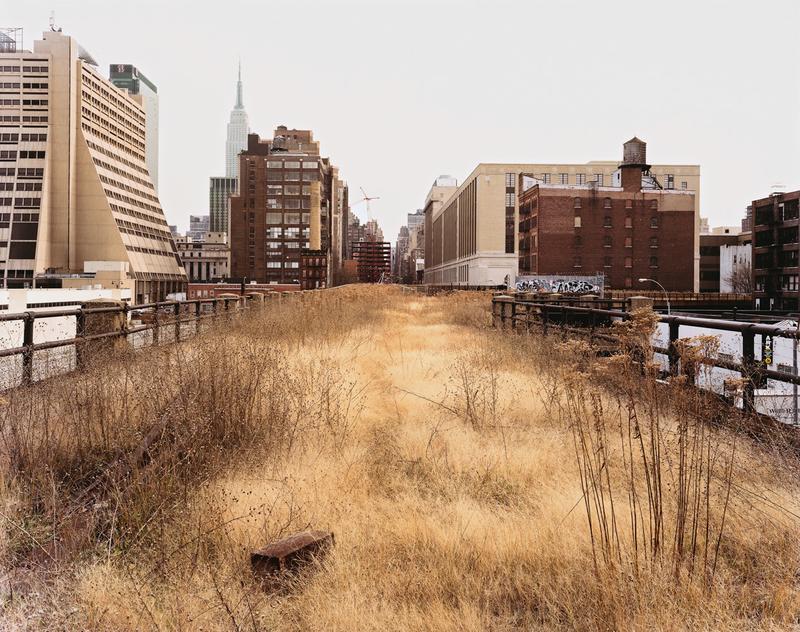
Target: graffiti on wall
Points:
(560, 284)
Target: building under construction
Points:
(373, 260)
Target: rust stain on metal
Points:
(290, 553)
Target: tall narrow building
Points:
(238, 129)
(130, 78)
(75, 191)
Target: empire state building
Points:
(238, 129)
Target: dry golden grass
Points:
(441, 453)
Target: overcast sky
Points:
(401, 92)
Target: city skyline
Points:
(699, 101)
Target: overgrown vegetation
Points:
(474, 480)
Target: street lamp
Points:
(666, 295)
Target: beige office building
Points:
(74, 186)
(471, 237)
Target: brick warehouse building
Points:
(775, 251)
(634, 229)
(290, 200)
(373, 258)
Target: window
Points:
(290, 164)
(546, 178)
(509, 200)
(274, 233)
(273, 245)
(684, 185)
(274, 189)
(293, 264)
(654, 204)
(291, 189)
(629, 242)
(670, 181)
(292, 176)
(654, 242)
(789, 282)
(653, 262)
(607, 203)
(628, 204)
(607, 221)
(291, 204)
(577, 221)
(606, 262)
(628, 262)
(654, 222)
(576, 263)
(628, 282)
(628, 222)
(578, 240)
(274, 218)
(274, 164)
(598, 177)
(580, 178)
(273, 264)
(273, 203)
(292, 218)
(310, 176)
(510, 178)
(607, 243)
(576, 203)
(564, 178)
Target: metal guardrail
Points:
(595, 323)
(164, 314)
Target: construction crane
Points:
(366, 199)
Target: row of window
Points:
(15, 85)
(21, 186)
(93, 83)
(608, 242)
(9, 155)
(607, 222)
(23, 202)
(138, 167)
(607, 262)
(15, 118)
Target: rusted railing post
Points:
(27, 354)
(749, 370)
(672, 349)
(197, 313)
(177, 312)
(156, 327)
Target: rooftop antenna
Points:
(53, 23)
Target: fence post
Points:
(748, 370)
(513, 314)
(177, 311)
(197, 312)
(80, 332)
(672, 349)
(156, 327)
(494, 312)
(27, 354)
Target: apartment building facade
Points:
(287, 203)
(623, 233)
(73, 174)
(473, 237)
(775, 221)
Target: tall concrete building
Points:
(472, 237)
(776, 261)
(73, 164)
(238, 129)
(130, 78)
(220, 189)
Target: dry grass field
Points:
(474, 480)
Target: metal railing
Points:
(595, 323)
(161, 316)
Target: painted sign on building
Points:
(560, 284)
